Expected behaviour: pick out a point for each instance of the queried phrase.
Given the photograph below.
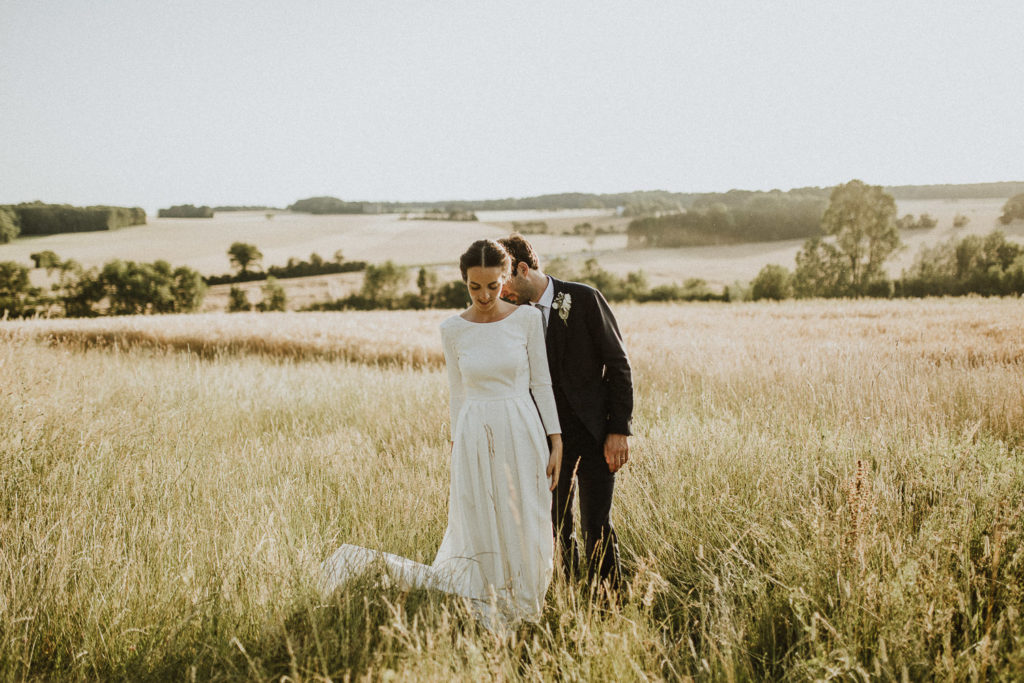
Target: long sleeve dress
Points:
(498, 547)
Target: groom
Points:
(593, 388)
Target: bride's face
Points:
(484, 286)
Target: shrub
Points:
(37, 218)
(1013, 209)
(188, 290)
(772, 282)
(10, 227)
(45, 259)
(17, 296)
(925, 222)
(128, 288)
(325, 205)
(973, 265)
(79, 291)
(452, 294)
(186, 211)
(821, 271)
(382, 283)
(238, 301)
(274, 298)
(530, 227)
(134, 288)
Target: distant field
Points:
(723, 265)
(819, 490)
(203, 243)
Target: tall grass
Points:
(817, 491)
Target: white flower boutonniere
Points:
(562, 304)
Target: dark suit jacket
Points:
(589, 366)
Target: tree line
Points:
(733, 217)
(861, 232)
(37, 218)
(641, 203)
(386, 287)
(963, 191)
(186, 211)
(246, 259)
(118, 288)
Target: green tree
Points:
(1014, 276)
(862, 218)
(274, 297)
(772, 282)
(243, 255)
(9, 225)
(821, 270)
(974, 265)
(188, 290)
(138, 288)
(1013, 209)
(426, 282)
(17, 296)
(237, 300)
(46, 259)
(452, 294)
(382, 283)
(79, 291)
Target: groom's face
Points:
(517, 287)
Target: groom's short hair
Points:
(520, 250)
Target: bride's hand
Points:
(555, 460)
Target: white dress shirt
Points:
(545, 301)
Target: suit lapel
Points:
(556, 330)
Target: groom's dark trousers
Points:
(583, 456)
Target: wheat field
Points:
(818, 490)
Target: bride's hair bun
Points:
(486, 254)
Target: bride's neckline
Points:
(490, 322)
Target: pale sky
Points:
(132, 102)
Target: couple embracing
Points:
(541, 395)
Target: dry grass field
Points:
(818, 490)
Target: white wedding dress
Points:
(498, 547)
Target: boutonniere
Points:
(562, 304)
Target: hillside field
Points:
(817, 490)
(203, 244)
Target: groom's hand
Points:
(616, 451)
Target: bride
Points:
(497, 549)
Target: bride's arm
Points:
(457, 392)
(540, 376)
(543, 396)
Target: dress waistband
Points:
(509, 397)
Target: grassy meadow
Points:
(817, 490)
